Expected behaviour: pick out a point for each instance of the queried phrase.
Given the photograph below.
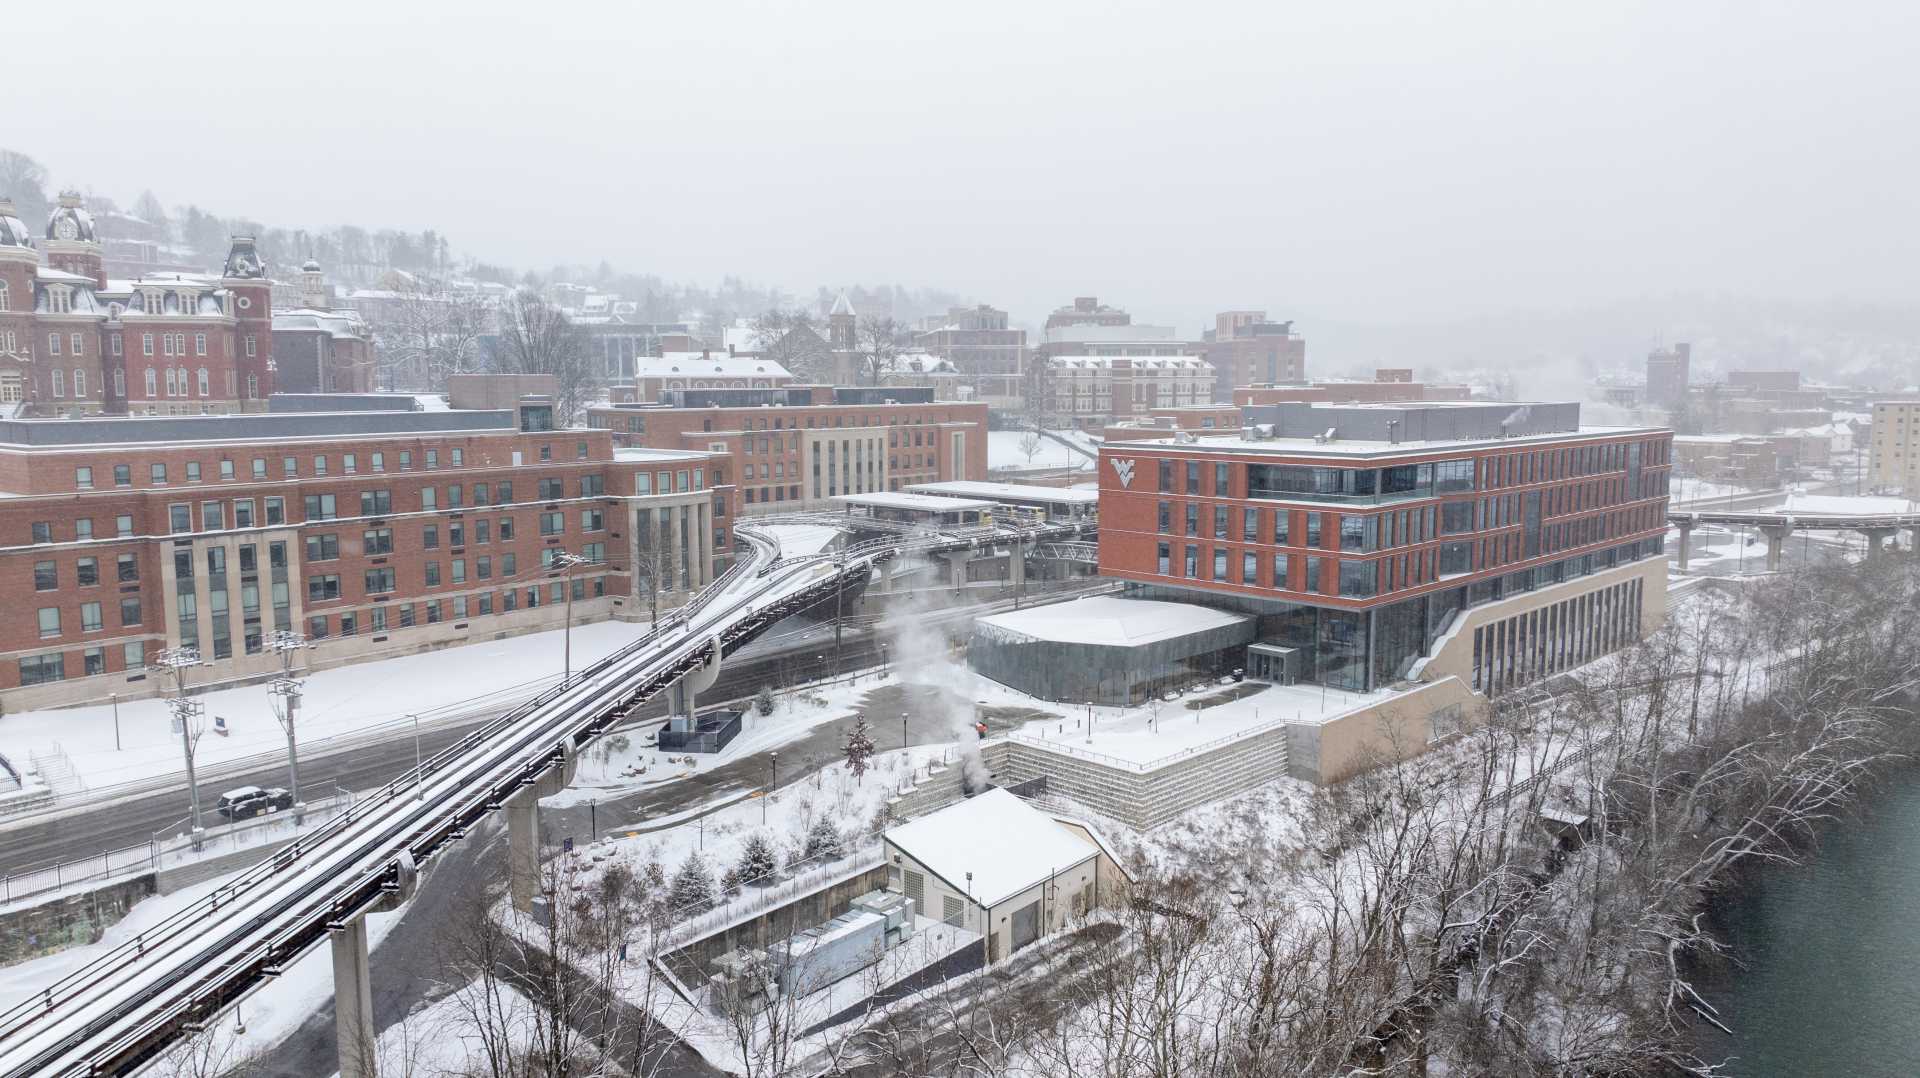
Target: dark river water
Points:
(1827, 980)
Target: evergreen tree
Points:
(763, 701)
(859, 747)
(730, 882)
(823, 839)
(757, 861)
(691, 892)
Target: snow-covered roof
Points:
(842, 305)
(1108, 621)
(655, 456)
(694, 364)
(1007, 492)
(889, 499)
(1008, 845)
(50, 275)
(342, 324)
(1176, 363)
(1844, 505)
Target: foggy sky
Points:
(1332, 160)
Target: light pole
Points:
(175, 661)
(773, 762)
(1089, 722)
(904, 743)
(566, 561)
(419, 778)
(883, 660)
(284, 644)
(115, 697)
(593, 818)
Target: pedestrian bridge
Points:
(1777, 524)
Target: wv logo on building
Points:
(1124, 469)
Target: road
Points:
(785, 656)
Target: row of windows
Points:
(91, 617)
(381, 619)
(381, 580)
(1221, 479)
(591, 486)
(42, 669)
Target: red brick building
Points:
(792, 449)
(372, 532)
(1247, 349)
(1357, 550)
(73, 342)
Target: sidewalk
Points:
(343, 700)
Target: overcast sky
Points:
(1340, 160)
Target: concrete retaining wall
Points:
(68, 920)
(691, 961)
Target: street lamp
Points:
(175, 661)
(419, 776)
(904, 743)
(566, 561)
(284, 643)
(773, 762)
(1089, 722)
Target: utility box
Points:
(895, 907)
(827, 953)
(740, 981)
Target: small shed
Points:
(996, 865)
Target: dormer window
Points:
(172, 303)
(59, 300)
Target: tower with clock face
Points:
(71, 242)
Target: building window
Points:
(86, 572)
(59, 380)
(49, 621)
(41, 669)
(379, 581)
(53, 344)
(83, 478)
(250, 353)
(322, 588)
(46, 576)
(276, 511)
(200, 349)
(79, 383)
(90, 621)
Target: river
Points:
(1828, 981)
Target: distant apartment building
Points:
(1245, 348)
(792, 449)
(1746, 460)
(1669, 370)
(986, 353)
(318, 347)
(652, 376)
(1087, 311)
(373, 532)
(1388, 386)
(1894, 456)
(1092, 391)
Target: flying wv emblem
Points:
(1123, 468)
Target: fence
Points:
(160, 853)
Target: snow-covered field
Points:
(1004, 450)
(369, 697)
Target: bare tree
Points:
(430, 331)
(792, 339)
(536, 337)
(877, 338)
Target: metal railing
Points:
(159, 853)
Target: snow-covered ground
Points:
(1843, 505)
(799, 539)
(1687, 489)
(444, 1040)
(1004, 450)
(628, 762)
(1163, 728)
(490, 675)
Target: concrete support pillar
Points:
(1686, 543)
(353, 1002)
(1017, 563)
(886, 575)
(1913, 541)
(523, 850)
(1876, 540)
(957, 567)
(1776, 541)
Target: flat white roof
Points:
(1109, 621)
(890, 499)
(1025, 492)
(1354, 448)
(1007, 844)
(693, 365)
(649, 456)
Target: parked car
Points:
(246, 802)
